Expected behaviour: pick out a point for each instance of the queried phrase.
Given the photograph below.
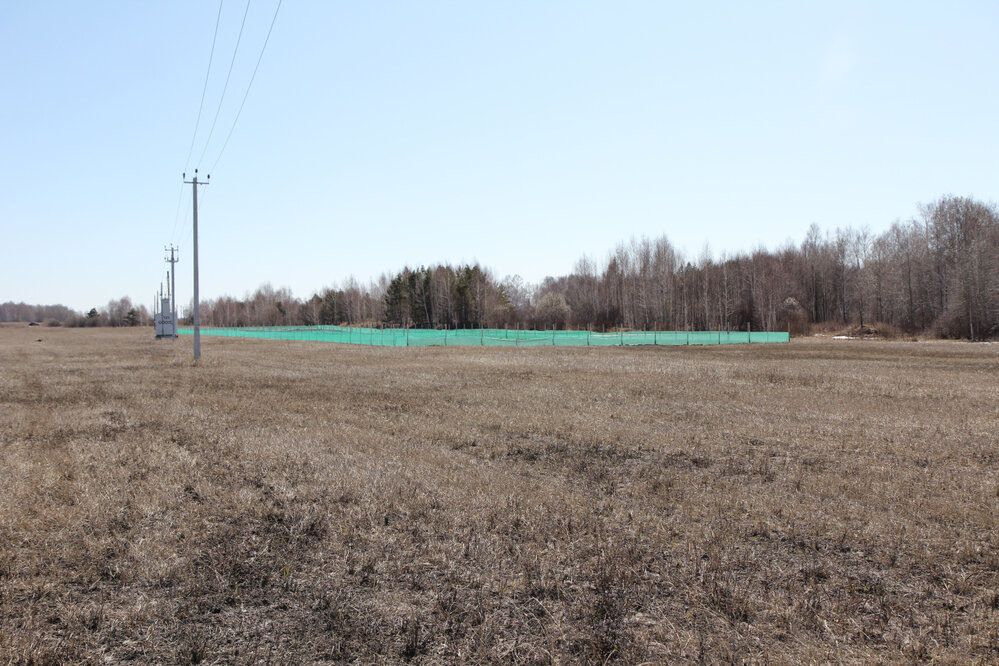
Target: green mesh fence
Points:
(490, 337)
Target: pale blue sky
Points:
(519, 134)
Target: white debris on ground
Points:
(843, 337)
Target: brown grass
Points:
(305, 502)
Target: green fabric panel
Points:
(391, 337)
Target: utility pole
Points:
(169, 295)
(173, 289)
(197, 304)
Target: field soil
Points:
(295, 502)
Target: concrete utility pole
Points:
(173, 289)
(197, 304)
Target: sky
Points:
(521, 135)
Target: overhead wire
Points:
(250, 85)
(204, 89)
(176, 216)
(246, 94)
(226, 86)
(197, 123)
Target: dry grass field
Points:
(286, 502)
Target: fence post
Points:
(553, 336)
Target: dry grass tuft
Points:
(302, 502)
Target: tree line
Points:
(117, 312)
(11, 311)
(936, 273)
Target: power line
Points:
(247, 94)
(176, 216)
(226, 86)
(201, 106)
